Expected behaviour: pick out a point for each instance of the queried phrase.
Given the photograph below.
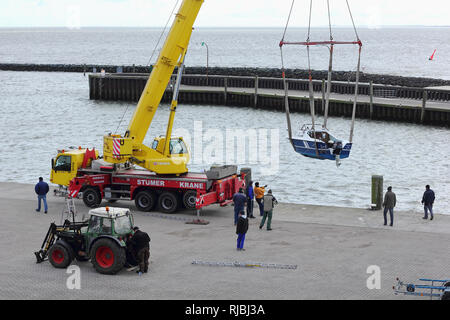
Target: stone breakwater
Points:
(238, 71)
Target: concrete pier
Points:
(332, 247)
(375, 101)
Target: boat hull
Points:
(309, 149)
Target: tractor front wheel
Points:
(107, 256)
(59, 256)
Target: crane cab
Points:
(66, 164)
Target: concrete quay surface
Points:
(332, 247)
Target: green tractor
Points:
(102, 238)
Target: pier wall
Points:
(221, 90)
(345, 76)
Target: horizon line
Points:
(233, 27)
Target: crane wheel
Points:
(145, 200)
(189, 199)
(91, 197)
(59, 256)
(107, 256)
(168, 202)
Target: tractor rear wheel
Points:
(145, 200)
(107, 256)
(59, 256)
(168, 202)
(92, 197)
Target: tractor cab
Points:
(114, 222)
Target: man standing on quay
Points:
(41, 188)
(427, 201)
(389, 203)
(250, 197)
(259, 196)
(239, 200)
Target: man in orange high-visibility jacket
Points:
(259, 196)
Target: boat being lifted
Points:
(320, 144)
(311, 141)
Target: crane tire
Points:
(189, 199)
(92, 197)
(168, 202)
(145, 200)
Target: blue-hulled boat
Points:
(320, 144)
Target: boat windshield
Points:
(322, 135)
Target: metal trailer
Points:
(432, 288)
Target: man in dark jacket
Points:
(241, 230)
(41, 189)
(141, 243)
(239, 200)
(427, 201)
(390, 200)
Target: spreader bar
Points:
(319, 43)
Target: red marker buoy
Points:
(432, 56)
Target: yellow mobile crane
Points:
(167, 155)
(165, 179)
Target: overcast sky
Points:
(220, 13)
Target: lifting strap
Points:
(285, 84)
(327, 98)
(330, 70)
(311, 86)
(357, 74)
(356, 95)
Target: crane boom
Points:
(171, 54)
(168, 155)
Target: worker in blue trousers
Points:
(390, 201)
(427, 201)
(241, 230)
(41, 188)
(250, 202)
